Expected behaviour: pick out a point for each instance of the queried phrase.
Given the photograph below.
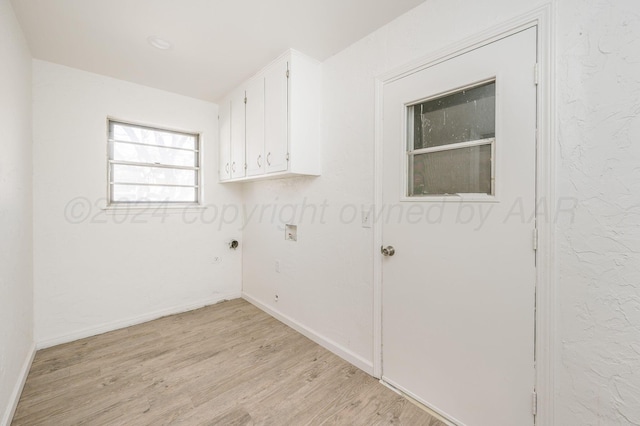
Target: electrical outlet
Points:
(276, 298)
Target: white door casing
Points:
(458, 297)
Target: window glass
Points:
(451, 143)
(149, 165)
(147, 135)
(463, 116)
(454, 171)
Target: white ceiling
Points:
(216, 43)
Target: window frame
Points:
(115, 205)
(407, 153)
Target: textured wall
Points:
(16, 276)
(95, 271)
(598, 80)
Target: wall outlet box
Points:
(291, 232)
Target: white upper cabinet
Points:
(224, 125)
(255, 124)
(238, 164)
(278, 135)
(276, 130)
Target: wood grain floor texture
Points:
(227, 364)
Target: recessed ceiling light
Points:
(159, 43)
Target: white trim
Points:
(546, 344)
(432, 412)
(17, 390)
(377, 232)
(164, 208)
(268, 176)
(116, 325)
(111, 162)
(448, 147)
(323, 341)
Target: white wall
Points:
(599, 252)
(16, 277)
(325, 283)
(94, 271)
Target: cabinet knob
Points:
(226, 168)
(258, 161)
(268, 162)
(233, 167)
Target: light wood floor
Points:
(227, 364)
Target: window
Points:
(451, 143)
(150, 165)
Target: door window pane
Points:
(451, 143)
(467, 115)
(454, 171)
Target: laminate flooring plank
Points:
(226, 364)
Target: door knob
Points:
(387, 251)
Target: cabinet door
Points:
(224, 126)
(276, 132)
(255, 127)
(238, 135)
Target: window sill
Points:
(153, 208)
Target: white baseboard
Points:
(115, 325)
(342, 352)
(17, 390)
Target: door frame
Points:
(545, 337)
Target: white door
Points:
(238, 163)
(255, 127)
(224, 122)
(276, 126)
(459, 175)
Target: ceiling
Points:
(216, 44)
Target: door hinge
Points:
(534, 403)
(245, 166)
(536, 74)
(287, 73)
(287, 156)
(245, 99)
(535, 238)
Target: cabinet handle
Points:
(233, 167)
(226, 168)
(268, 162)
(258, 160)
